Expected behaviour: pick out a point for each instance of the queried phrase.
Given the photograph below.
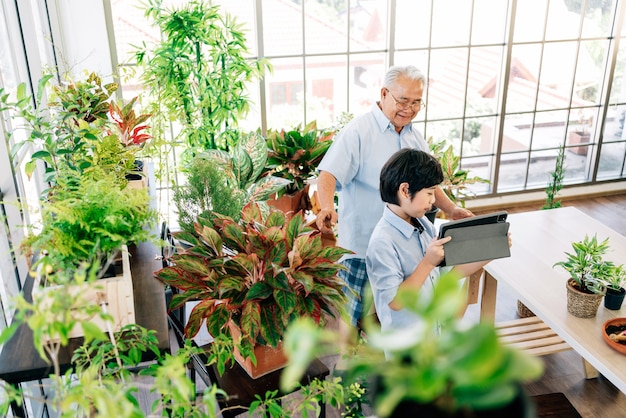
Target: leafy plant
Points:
(455, 179)
(615, 277)
(197, 74)
(586, 265)
(72, 134)
(244, 166)
(556, 181)
(456, 368)
(257, 275)
(87, 220)
(208, 189)
(295, 154)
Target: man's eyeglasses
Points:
(415, 106)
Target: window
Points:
(514, 81)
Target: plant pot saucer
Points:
(615, 322)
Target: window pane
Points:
(562, 23)
(490, 19)
(549, 129)
(557, 72)
(517, 131)
(368, 25)
(476, 139)
(589, 72)
(411, 14)
(530, 19)
(599, 19)
(285, 99)
(325, 27)
(446, 91)
(282, 28)
(612, 161)
(512, 174)
(483, 80)
(366, 79)
(451, 28)
(524, 73)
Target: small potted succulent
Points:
(615, 281)
(253, 277)
(586, 267)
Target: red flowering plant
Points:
(255, 276)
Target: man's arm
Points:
(452, 211)
(327, 216)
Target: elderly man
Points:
(352, 167)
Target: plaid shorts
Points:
(355, 278)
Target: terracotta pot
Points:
(581, 304)
(614, 298)
(290, 204)
(268, 359)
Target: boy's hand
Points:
(434, 252)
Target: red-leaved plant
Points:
(256, 275)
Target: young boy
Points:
(403, 252)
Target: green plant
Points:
(207, 190)
(440, 361)
(586, 266)
(615, 277)
(455, 179)
(295, 154)
(244, 166)
(197, 74)
(556, 181)
(88, 219)
(257, 275)
(72, 134)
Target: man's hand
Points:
(459, 213)
(326, 220)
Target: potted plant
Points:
(455, 179)
(438, 368)
(238, 172)
(614, 280)
(295, 155)
(197, 75)
(586, 268)
(254, 277)
(88, 219)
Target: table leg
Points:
(590, 371)
(488, 300)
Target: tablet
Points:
(479, 238)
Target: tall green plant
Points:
(556, 181)
(198, 73)
(455, 179)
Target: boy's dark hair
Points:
(417, 168)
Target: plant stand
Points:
(115, 294)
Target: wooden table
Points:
(540, 239)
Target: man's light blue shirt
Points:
(355, 159)
(395, 250)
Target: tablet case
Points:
(485, 238)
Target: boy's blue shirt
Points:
(395, 249)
